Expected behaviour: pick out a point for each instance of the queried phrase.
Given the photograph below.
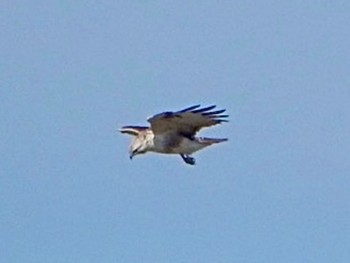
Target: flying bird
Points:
(175, 132)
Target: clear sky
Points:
(73, 72)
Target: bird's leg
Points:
(188, 159)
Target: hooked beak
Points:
(132, 154)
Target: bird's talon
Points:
(190, 160)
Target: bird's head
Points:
(138, 146)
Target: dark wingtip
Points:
(204, 109)
(213, 112)
(134, 127)
(222, 121)
(190, 108)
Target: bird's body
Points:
(174, 132)
(174, 144)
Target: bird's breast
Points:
(166, 143)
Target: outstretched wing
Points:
(133, 130)
(187, 121)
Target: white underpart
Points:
(185, 146)
(189, 146)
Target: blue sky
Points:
(73, 72)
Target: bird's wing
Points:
(133, 130)
(187, 121)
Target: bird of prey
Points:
(174, 132)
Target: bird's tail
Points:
(209, 141)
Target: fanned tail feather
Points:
(210, 141)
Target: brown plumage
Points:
(174, 132)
